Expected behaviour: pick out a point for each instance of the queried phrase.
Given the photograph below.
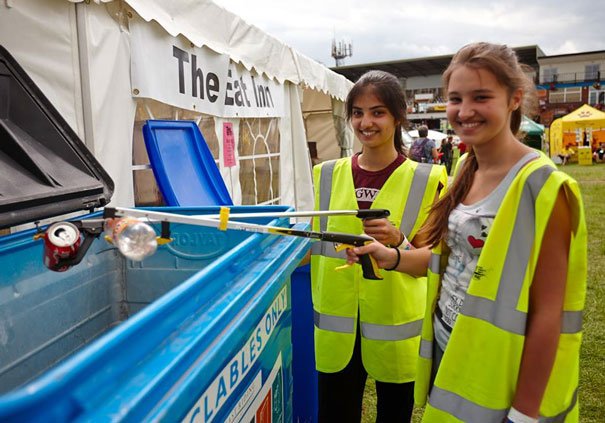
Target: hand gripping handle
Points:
(368, 265)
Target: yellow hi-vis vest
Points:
(391, 309)
(477, 378)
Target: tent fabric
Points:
(529, 127)
(325, 124)
(295, 164)
(109, 108)
(344, 133)
(584, 116)
(556, 137)
(204, 23)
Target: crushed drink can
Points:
(61, 242)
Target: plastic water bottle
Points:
(135, 239)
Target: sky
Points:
(386, 30)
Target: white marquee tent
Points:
(109, 65)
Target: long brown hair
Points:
(387, 88)
(503, 63)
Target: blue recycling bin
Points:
(198, 332)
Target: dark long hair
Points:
(388, 89)
(503, 63)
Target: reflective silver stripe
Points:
(572, 322)
(521, 242)
(415, 196)
(323, 248)
(560, 418)
(468, 411)
(435, 263)
(506, 318)
(391, 332)
(426, 349)
(316, 248)
(326, 249)
(462, 408)
(334, 323)
(325, 191)
(502, 312)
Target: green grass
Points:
(592, 358)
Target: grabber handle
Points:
(373, 213)
(368, 265)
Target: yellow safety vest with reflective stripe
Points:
(477, 378)
(390, 310)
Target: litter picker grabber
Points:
(342, 240)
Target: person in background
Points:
(502, 333)
(599, 154)
(446, 151)
(565, 155)
(461, 147)
(370, 326)
(424, 149)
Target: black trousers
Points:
(341, 394)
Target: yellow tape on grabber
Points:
(223, 218)
(339, 247)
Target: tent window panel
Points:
(275, 178)
(258, 136)
(146, 191)
(259, 155)
(259, 179)
(206, 125)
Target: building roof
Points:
(427, 66)
(573, 55)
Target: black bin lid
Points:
(45, 169)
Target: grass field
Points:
(592, 360)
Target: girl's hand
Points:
(385, 257)
(382, 231)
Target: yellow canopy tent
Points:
(570, 130)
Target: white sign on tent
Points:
(196, 78)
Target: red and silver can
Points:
(61, 242)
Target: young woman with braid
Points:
(507, 274)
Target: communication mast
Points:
(340, 50)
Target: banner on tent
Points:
(171, 70)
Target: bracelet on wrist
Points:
(404, 243)
(397, 261)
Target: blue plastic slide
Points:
(183, 165)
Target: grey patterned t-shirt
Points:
(468, 228)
